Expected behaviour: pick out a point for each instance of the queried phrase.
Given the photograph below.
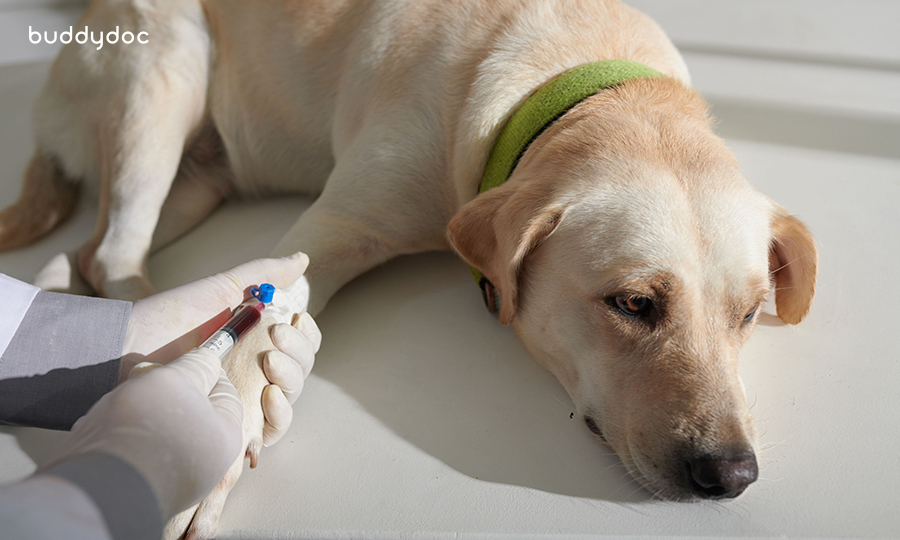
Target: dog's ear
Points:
(496, 231)
(794, 260)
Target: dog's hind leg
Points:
(202, 182)
(120, 117)
(47, 198)
(138, 166)
(204, 179)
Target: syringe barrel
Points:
(243, 319)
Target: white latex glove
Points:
(179, 426)
(287, 368)
(166, 325)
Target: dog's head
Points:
(633, 259)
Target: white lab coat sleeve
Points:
(17, 297)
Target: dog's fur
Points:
(389, 109)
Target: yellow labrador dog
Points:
(626, 248)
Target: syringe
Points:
(244, 317)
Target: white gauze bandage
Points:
(288, 301)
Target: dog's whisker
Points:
(755, 400)
(735, 509)
(631, 482)
(770, 479)
(792, 261)
(739, 509)
(617, 490)
(631, 507)
(637, 490)
(771, 445)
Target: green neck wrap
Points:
(537, 113)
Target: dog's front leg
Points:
(372, 209)
(340, 248)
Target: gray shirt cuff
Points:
(122, 494)
(63, 358)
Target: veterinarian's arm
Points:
(166, 325)
(60, 353)
(135, 459)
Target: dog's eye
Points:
(750, 315)
(634, 306)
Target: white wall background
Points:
(17, 15)
(798, 72)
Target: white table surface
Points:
(425, 418)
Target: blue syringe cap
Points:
(263, 293)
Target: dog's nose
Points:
(720, 478)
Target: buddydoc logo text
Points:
(82, 36)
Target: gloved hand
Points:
(287, 368)
(166, 325)
(178, 425)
